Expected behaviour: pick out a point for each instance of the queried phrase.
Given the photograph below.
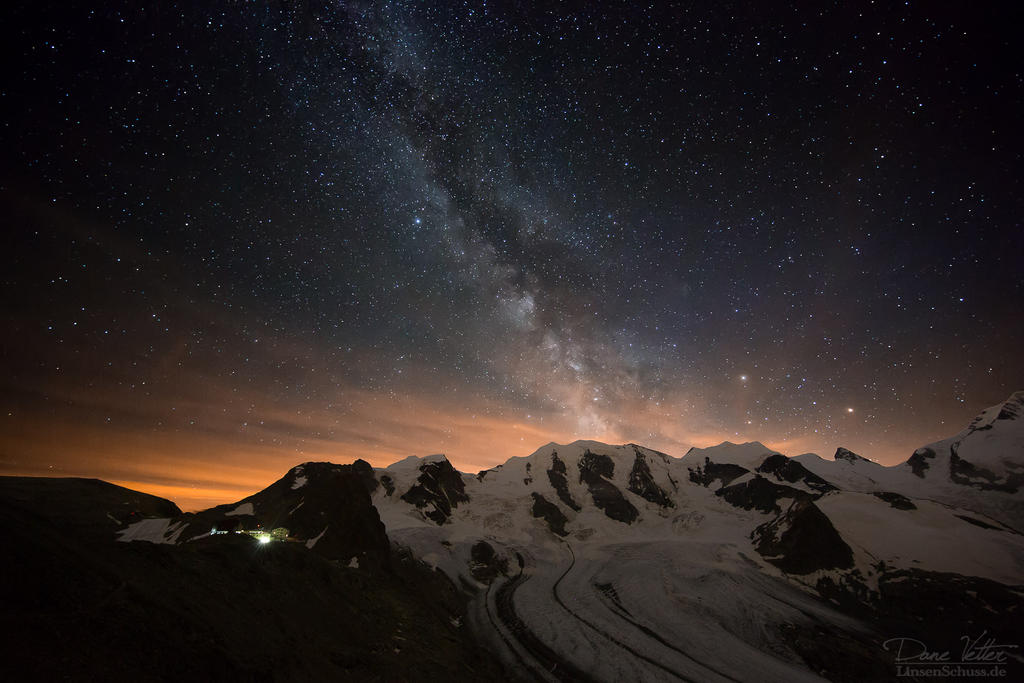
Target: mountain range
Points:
(582, 561)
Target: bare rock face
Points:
(485, 564)
(919, 461)
(802, 540)
(968, 474)
(1011, 409)
(362, 469)
(596, 472)
(954, 604)
(710, 472)
(549, 512)
(760, 494)
(896, 500)
(848, 455)
(789, 470)
(337, 511)
(324, 505)
(642, 483)
(439, 487)
(557, 477)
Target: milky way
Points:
(251, 234)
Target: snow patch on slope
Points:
(313, 541)
(300, 478)
(159, 530)
(243, 509)
(931, 536)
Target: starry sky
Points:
(243, 235)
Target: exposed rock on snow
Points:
(634, 565)
(556, 475)
(485, 564)
(786, 469)
(711, 472)
(596, 472)
(895, 500)
(550, 513)
(919, 461)
(640, 566)
(802, 540)
(642, 483)
(968, 474)
(760, 494)
(848, 455)
(439, 487)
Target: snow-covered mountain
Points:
(732, 562)
(589, 561)
(981, 468)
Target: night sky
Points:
(244, 235)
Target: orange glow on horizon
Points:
(222, 459)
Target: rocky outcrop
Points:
(1013, 409)
(918, 462)
(724, 473)
(485, 564)
(550, 513)
(362, 469)
(848, 455)
(789, 470)
(980, 524)
(438, 487)
(326, 506)
(642, 483)
(557, 477)
(967, 474)
(802, 540)
(760, 494)
(936, 608)
(338, 512)
(596, 472)
(896, 500)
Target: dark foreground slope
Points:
(78, 605)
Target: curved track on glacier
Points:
(546, 663)
(532, 653)
(601, 631)
(623, 616)
(565, 620)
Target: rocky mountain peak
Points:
(845, 454)
(1009, 411)
(439, 488)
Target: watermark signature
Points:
(982, 657)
